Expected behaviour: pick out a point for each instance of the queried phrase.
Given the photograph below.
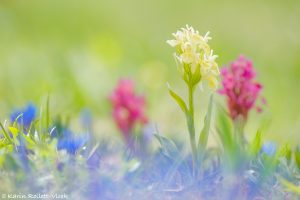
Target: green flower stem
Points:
(239, 125)
(239, 158)
(191, 127)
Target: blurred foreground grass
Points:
(76, 51)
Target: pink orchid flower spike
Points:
(128, 108)
(240, 88)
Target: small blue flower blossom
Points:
(269, 148)
(70, 142)
(25, 116)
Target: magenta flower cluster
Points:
(128, 108)
(240, 87)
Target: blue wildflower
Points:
(24, 116)
(269, 148)
(70, 142)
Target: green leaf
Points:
(16, 120)
(225, 131)
(170, 150)
(30, 143)
(285, 151)
(178, 99)
(187, 71)
(291, 187)
(256, 144)
(4, 143)
(196, 77)
(297, 156)
(168, 147)
(202, 143)
(233, 155)
(6, 135)
(14, 131)
(47, 114)
(44, 121)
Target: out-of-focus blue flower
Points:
(269, 148)
(25, 115)
(70, 142)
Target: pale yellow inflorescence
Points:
(193, 50)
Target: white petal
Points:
(172, 43)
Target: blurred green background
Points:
(76, 51)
